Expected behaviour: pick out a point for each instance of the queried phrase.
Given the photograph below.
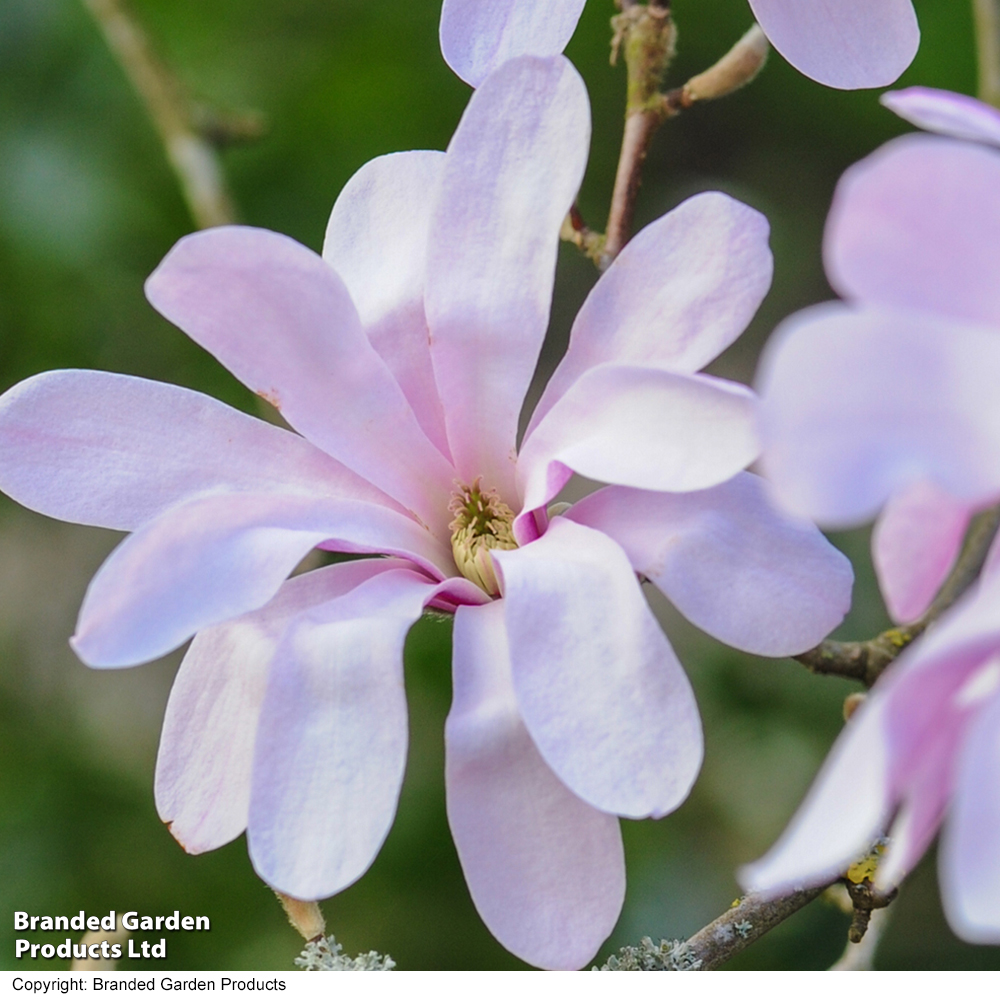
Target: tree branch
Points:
(865, 661)
(647, 36)
(743, 923)
(192, 156)
(859, 956)
(986, 14)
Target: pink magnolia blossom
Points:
(848, 44)
(887, 401)
(923, 750)
(402, 357)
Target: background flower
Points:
(850, 44)
(922, 752)
(904, 245)
(886, 401)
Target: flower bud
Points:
(305, 916)
(735, 69)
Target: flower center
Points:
(482, 522)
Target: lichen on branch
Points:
(865, 661)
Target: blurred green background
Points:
(87, 209)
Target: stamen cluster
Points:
(482, 522)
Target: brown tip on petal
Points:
(169, 824)
(852, 703)
(270, 396)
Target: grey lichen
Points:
(667, 956)
(743, 928)
(326, 954)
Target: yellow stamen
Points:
(482, 522)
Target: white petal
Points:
(116, 451)
(840, 437)
(682, 290)
(545, 870)
(730, 561)
(602, 693)
(847, 44)
(478, 36)
(946, 113)
(278, 316)
(907, 228)
(511, 172)
(843, 814)
(640, 427)
(376, 241)
(331, 744)
(970, 848)
(914, 545)
(203, 768)
(216, 558)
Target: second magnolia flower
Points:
(846, 44)
(402, 358)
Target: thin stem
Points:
(639, 131)
(193, 158)
(741, 925)
(865, 661)
(647, 36)
(860, 956)
(986, 14)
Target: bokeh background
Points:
(87, 209)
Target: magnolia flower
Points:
(888, 401)
(923, 750)
(402, 357)
(847, 44)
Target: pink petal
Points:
(909, 224)
(217, 558)
(680, 292)
(936, 686)
(843, 814)
(377, 242)
(847, 44)
(919, 817)
(477, 37)
(116, 451)
(511, 173)
(969, 857)
(545, 870)
(730, 561)
(942, 111)
(282, 321)
(901, 746)
(641, 427)
(600, 690)
(204, 765)
(840, 437)
(915, 543)
(931, 696)
(331, 744)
